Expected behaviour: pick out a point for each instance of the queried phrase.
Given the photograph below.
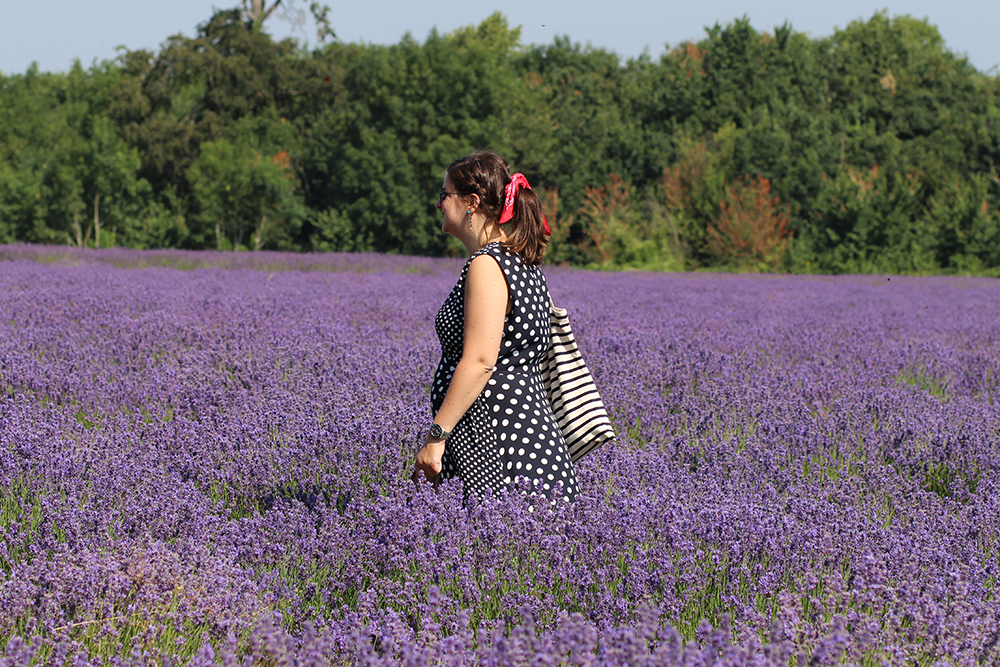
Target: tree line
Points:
(873, 150)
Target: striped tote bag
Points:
(577, 405)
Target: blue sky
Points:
(53, 32)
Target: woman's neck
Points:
(477, 244)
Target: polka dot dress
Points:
(509, 431)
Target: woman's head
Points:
(486, 174)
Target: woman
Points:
(492, 419)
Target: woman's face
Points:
(453, 207)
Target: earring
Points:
(468, 218)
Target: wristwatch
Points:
(438, 433)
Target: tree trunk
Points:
(257, 11)
(258, 237)
(97, 221)
(77, 232)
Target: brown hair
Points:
(486, 174)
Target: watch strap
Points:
(436, 431)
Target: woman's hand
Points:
(429, 459)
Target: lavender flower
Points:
(211, 467)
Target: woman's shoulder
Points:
(488, 250)
(493, 249)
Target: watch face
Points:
(437, 431)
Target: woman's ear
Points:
(472, 202)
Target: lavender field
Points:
(205, 458)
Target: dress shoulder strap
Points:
(509, 263)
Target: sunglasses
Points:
(444, 194)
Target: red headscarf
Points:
(517, 181)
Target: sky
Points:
(54, 32)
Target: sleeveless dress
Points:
(509, 431)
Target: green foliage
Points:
(873, 150)
(400, 115)
(67, 175)
(871, 222)
(244, 198)
(622, 235)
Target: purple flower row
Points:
(203, 466)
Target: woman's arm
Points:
(486, 300)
